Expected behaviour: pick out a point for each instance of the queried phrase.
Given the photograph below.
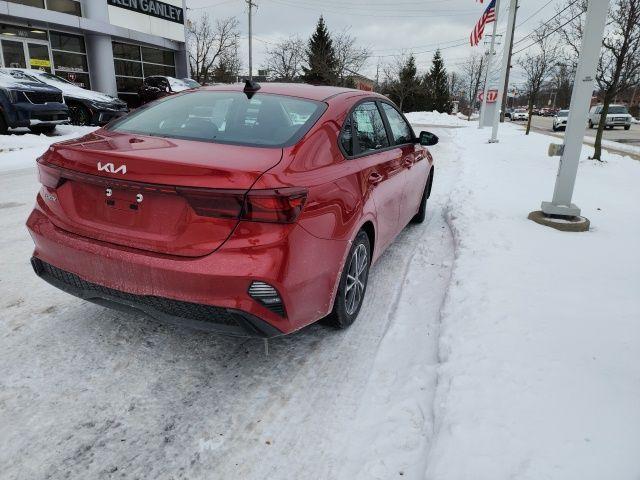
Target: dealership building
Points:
(104, 45)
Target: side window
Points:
(370, 131)
(400, 130)
(346, 137)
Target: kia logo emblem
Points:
(111, 168)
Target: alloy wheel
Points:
(356, 279)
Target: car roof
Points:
(302, 90)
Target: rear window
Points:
(226, 117)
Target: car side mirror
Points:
(428, 139)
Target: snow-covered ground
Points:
(489, 348)
(436, 119)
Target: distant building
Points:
(362, 83)
(105, 45)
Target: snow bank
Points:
(540, 333)
(435, 119)
(19, 150)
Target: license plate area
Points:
(123, 200)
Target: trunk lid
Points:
(125, 189)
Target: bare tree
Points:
(472, 72)
(285, 59)
(619, 64)
(538, 64)
(209, 43)
(350, 57)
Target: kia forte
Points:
(241, 209)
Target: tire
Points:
(79, 115)
(590, 124)
(627, 127)
(422, 211)
(555, 129)
(39, 129)
(4, 129)
(349, 299)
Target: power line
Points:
(550, 33)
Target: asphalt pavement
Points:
(618, 134)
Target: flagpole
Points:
(503, 70)
(492, 52)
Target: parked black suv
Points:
(156, 86)
(34, 105)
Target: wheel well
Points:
(430, 182)
(371, 233)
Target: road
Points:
(88, 392)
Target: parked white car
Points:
(560, 120)
(519, 114)
(617, 116)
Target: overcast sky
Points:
(387, 27)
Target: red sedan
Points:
(248, 211)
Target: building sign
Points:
(155, 8)
(492, 96)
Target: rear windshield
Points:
(226, 117)
(618, 110)
(563, 113)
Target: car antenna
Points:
(250, 88)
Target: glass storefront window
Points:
(126, 51)
(30, 3)
(67, 42)
(128, 69)
(72, 7)
(152, 69)
(70, 62)
(12, 31)
(154, 55)
(70, 58)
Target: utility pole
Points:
(504, 73)
(492, 52)
(561, 206)
(250, 5)
(509, 66)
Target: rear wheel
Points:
(422, 211)
(46, 129)
(353, 284)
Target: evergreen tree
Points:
(437, 86)
(321, 58)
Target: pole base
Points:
(561, 222)
(561, 210)
(491, 140)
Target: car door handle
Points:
(375, 178)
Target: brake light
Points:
(213, 202)
(48, 176)
(280, 205)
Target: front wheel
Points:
(590, 124)
(555, 129)
(627, 127)
(79, 115)
(353, 284)
(422, 211)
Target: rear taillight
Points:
(279, 205)
(213, 202)
(47, 175)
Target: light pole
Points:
(489, 61)
(506, 61)
(251, 5)
(560, 207)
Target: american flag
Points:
(488, 16)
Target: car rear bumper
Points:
(302, 268)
